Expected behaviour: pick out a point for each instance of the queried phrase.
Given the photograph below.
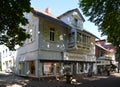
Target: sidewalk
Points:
(11, 80)
(60, 83)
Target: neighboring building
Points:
(105, 54)
(7, 59)
(56, 44)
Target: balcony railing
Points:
(79, 45)
(71, 44)
(105, 57)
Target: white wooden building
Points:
(57, 43)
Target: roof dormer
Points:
(73, 18)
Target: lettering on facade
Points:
(71, 56)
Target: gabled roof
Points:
(50, 17)
(73, 10)
(102, 47)
(109, 46)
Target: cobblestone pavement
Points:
(11, 80)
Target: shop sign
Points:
(72, 56)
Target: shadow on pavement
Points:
(12, 80)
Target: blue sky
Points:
(60, 6)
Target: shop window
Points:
(48, 68)
(58, 68)
(21, 68)
(67, 68)
(32, 67)
(80, 67)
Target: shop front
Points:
(72, 63)
(81, 64)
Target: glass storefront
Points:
(21, 68)
(57, 68)
(51, 68)
(80, 67)
(27, 67)
(47, 68)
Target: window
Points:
(71, 37)
(75, 21)
(79, 37)
(10, 63)
(32, 31)
(3, 53)
(52, 34)
(6, 52)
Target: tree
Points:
(106, 15)
(11, 17)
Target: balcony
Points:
(78, 47)
(79, 42)
(83, 45)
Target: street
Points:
(11, 80)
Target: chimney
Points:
(48, 10)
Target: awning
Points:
(22, 59)
(69, 61)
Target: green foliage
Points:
(106, 15)
(11, 16)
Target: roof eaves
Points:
(50, 18)
(102, 47)
(90, 33)
(76, 9)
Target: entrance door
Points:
(32, 67)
